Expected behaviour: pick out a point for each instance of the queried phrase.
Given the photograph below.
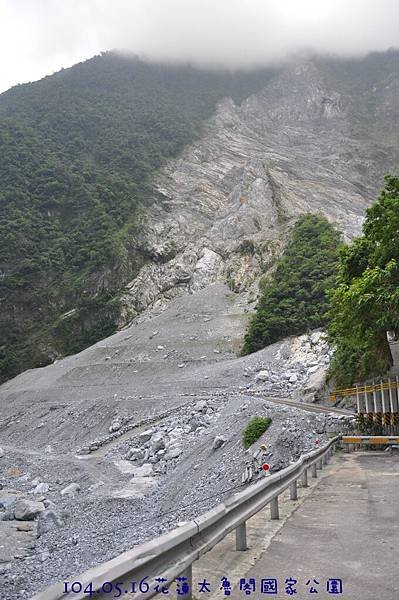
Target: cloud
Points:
(38, 37)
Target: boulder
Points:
(262, 376)
(40, 488)
(176, 433)
(8, 500)
(71, 489)
(144, 471)
(200, 406)
(316, 337)
(24, 526)
(293, 378)
(48, 520)
(115, 426)
(173, 452)
(157, 441)
(197, 421)
(27, 510)
(135, 454)
(1, 452)
(145, 436)
(218, 442)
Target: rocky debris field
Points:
(143, 431)
(297, 371)
(180, 467)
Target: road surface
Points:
(347, 529)
(319, 408)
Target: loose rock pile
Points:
(158, 449)
(293, 366)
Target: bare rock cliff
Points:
(222, 210)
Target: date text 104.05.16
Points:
(266, 586)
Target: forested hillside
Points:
(78, 151)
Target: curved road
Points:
(317, 408)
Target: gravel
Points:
(178, 451)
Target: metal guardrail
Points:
(172, 554)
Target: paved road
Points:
(348, 528)
(318, 408)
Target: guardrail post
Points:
(325, 459)
(188, 574)
(294, 491)
(274, 512)
(314, 471)
(305, 478)
(320, 464)
(241, 537)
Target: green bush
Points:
(254, 430)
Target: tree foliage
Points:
(293, 299)
(365, 302)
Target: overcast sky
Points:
(38, 37)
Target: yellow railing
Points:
(362, 389)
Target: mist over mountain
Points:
(111, 170)
(40, 38)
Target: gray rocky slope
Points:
(142, 431)
(109, 447)
(308, 142)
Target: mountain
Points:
(123, 183)
(78, 152)
(155, 208)
(317, 138)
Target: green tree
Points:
(293, 300)
(365, 301)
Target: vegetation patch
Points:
(293, 299)
(255, 428)
(365, 299)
